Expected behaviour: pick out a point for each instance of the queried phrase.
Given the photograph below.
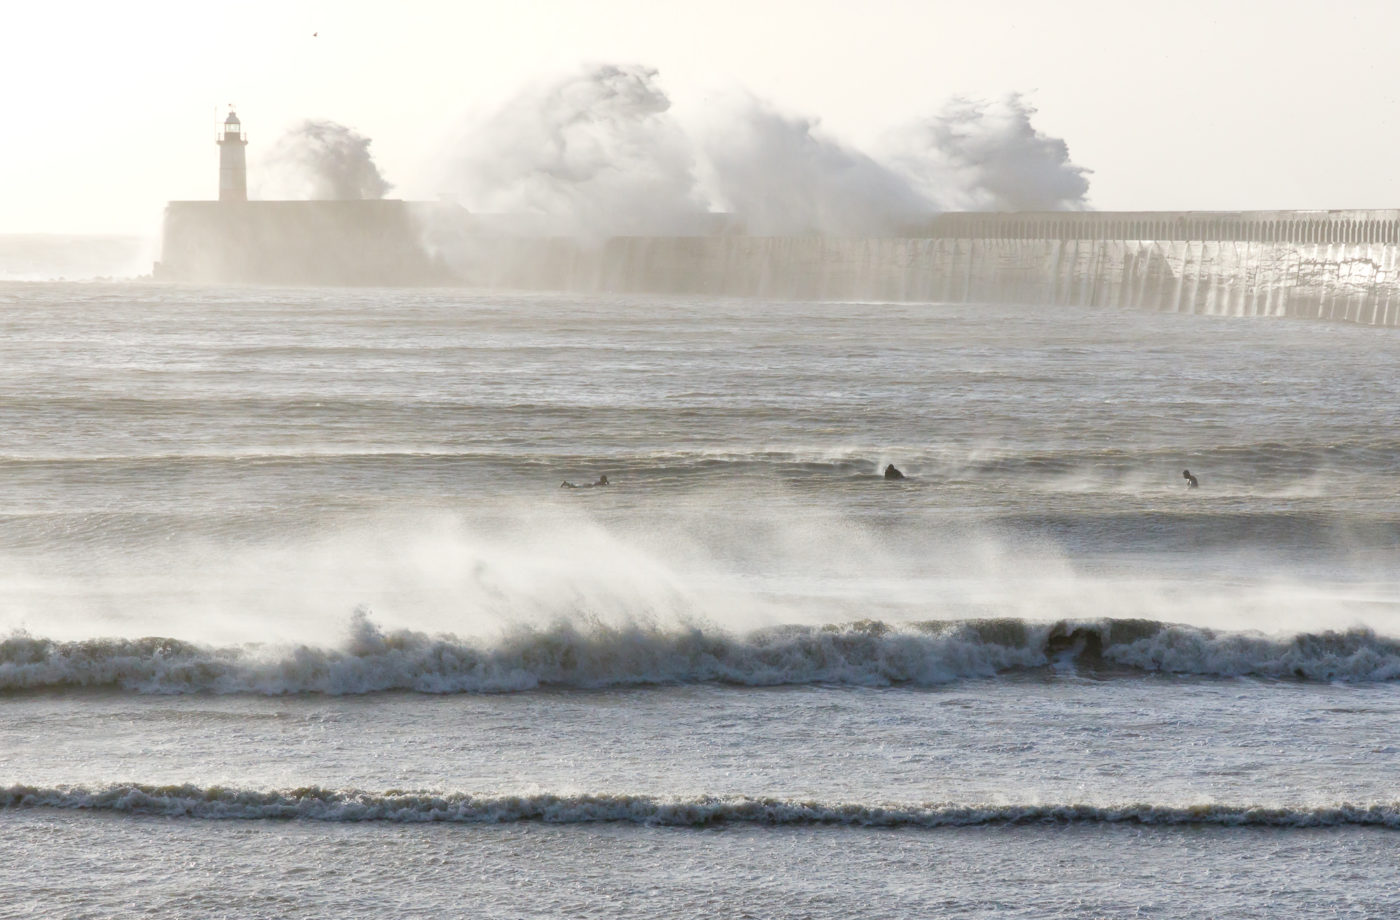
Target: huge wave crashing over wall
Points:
(596, 151)
(600, 152)
(867, 654)
(320, 160)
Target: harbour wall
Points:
(369, 242)
(1332, 265)
(1325, 277)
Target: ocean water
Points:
(296, 619)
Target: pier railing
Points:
(1344, 227)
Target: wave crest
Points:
(317, 804)
(565, 655)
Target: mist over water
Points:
(55, 257)
(287, 579)
(304, 458)
(319, 160)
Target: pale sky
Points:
(110, 107)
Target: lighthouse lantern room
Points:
(233, 163)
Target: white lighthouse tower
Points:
(233, 163)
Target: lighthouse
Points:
(233, 163)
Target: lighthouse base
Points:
(374, 242)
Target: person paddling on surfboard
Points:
(602, 481)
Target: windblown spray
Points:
(322, 161)
(600, 152)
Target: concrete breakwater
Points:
(1333, 265)
(1342, 266)
(360, 243)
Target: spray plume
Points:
(598, 153)
(322, 160)
(784, 177)
(980, 156)
(595, 152)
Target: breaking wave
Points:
(865, 653)
(317, 804)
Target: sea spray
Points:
(593, 153)
(976, 155)
(598, 152)
(321, 161)
(783, 176)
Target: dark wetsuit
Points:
(892, 473)
(1191, 482)
(602, 481)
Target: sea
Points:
(298, 619)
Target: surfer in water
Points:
(892, 473)
(1191, 482)
(602, 481)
